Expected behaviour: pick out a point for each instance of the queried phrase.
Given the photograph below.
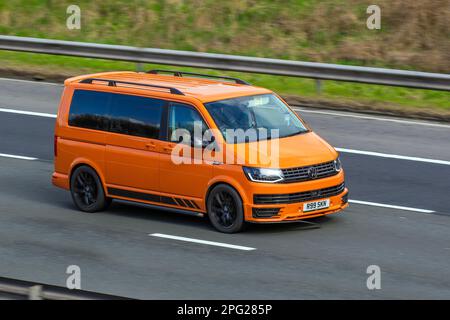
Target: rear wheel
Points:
(87, 190)
(225, 209)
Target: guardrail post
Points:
(318, 86)
(35, 293)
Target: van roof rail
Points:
(113, 83)
(181, 73)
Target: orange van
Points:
(192, 143)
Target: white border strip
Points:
(4, 155)
(211, 243)
(374, 204)
(393, 156)
(359, 116)
(28, 113)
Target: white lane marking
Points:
(31, 81)
(211, 243)
(219, 244)
(4, 155)
(393, 156)
(28, 113)
(368, 153)
(358, 116)
(374, 204)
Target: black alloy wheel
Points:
(225, 209)
(87, 190)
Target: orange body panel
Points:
(134, 164)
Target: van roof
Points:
(205, 90)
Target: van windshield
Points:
(261, 116)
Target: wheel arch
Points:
(238, 190)
(85, 162)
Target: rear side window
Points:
(89, 109)
(136, 116)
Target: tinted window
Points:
(89, 109)
(184, 117)
(137, 116)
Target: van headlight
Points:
(337, 165)
(263, 174)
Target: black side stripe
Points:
(188, 202)
(168, 200)
(152, 197)
(134, 195)
(180, 202)
(195, 205)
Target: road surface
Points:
(398, 173)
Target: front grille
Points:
(265, 212)
(322, 170)
(299, 196)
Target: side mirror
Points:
(197, 143)
(206, 143)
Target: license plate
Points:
(316, 205)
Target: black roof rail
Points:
(113, 83)
(181, 73)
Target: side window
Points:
(89, 109)
(136, 116)
(186, 118)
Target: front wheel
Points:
(87, 190)
(225, 209)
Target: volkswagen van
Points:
(196, 144)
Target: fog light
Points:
(265, 212)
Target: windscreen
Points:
(256, 112)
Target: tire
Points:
(87, 190)
(225, 209)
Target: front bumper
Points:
(291, 208)
(294, 211)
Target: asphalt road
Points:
(41, 233)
